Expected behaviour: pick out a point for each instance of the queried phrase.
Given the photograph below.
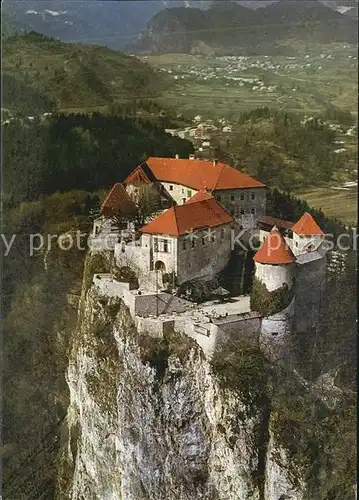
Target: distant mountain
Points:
(234, 29)
(99, 22)
(112, 23)
(40, 72)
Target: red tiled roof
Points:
(267, 220)
(200, 174)
(138, 176)
(306, 226)
(274, 250)
(181, 219)
(118, 202)
(200, 196)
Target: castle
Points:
(203, 211)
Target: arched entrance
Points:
(160, 266)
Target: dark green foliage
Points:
(95, 263)
(244, 371)
(127, 275)
(315, 438)
(156, 352)
(79, 152)
(37, 327)
(279, 150)
(268, 303)
(198, 290)
(338, 115)
(80, 76)
(24, 98)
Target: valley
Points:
(217, 86)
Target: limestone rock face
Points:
(144, 425)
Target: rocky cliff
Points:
(153, 419)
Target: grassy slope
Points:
(76, 76)
(339, 204)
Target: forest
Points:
(79, 152)
(284, 152)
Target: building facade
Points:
(193, 240)
(241, 195)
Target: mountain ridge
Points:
(111, 23)
(234, 29)
(72, 75)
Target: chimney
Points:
(191, 157)
(177, 157)
(215, 162)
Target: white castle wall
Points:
(275, 276)
(204, 260)
(276, 333)
(301, 243)
(178, 192)
(140, 304)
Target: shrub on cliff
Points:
(243, 370)
(268, 303)
(95, 263)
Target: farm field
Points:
(221, 86)
(339, 204)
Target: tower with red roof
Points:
(307, 235)
(275, 262)
(292, 270)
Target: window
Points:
(253, 196)
(182, 191)
(253, 211)
(193, 243)
(184, 246)
(218, 197)
(183, 200)
(155, 244)
(232, 197)
(296, 243)
(242, 211)
(203, 241)
(165, 246)
(242, 196)
(223, 231)
(171, 188)
(213, 238)
(189, 193)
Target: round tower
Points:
(275, 262)
(273, 294)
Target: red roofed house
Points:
(243, 196)
(192, 240)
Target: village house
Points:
(241, 195)
(192, 240)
